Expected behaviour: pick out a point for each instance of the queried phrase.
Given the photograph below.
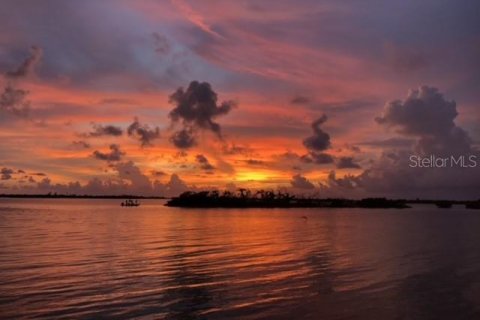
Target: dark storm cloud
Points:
(424, 112)
(6, 173)
(28, 65)
(204, 163)
(184, 138)
(427, 116)
(347, 163)
(143, 132)
(320, 140)
(317, 157)
(107, 130)
(196, 108)
(300, 182)
(115, 154)
(317, 144)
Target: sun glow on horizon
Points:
(252, 176)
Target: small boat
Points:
(130, 203)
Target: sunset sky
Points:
(318, 97)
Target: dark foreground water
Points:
(92, 259)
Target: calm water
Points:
(92, 259)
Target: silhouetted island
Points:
(268, 199)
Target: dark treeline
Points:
(245, 198)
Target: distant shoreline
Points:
(234, 203)
(70, 196)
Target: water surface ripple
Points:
(92, 259)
